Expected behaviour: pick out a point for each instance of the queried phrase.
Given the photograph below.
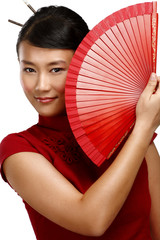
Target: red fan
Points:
(108, 72)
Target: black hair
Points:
(54, 27)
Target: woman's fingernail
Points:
(153, 76)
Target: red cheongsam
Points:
(53, 138)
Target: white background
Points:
(16, 114)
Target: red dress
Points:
(53, 138)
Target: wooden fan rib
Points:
(107, 145)
(127, 44)
(142, 40)
(107, 120)
(144, 36)
(90, 98)
(132, 44)
(116, 144)
(108, 63)
(110, 137)
(123, 15)
(87, 83)
(75, 121)
(142, 15)
(93, 69)
(96, 157)
(107, 67)
(132, 27)
(102, 112)
(138, 28)
(110, 146)
(82, 104)
(103, 74)
(103, 22)
(80, 54)
(120, 135)
(130, 77)
(108, 88)
(82, 92)
(90, 78)
(84, 116)
(120, 48)
(90, 37)
(100, 102)
(110, 52)
(91, 83)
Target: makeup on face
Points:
(43, 75)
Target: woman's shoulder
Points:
(14, 143)
(15, 140)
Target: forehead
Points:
(29, 52)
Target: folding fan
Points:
(107, 75)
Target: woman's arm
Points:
(48, 192)
(153, 162)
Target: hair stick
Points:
(30, 7)
(16, 23)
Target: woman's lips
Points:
(45, 99)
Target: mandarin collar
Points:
(59, 123)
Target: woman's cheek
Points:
(26, 85)
(61, 87)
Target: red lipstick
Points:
(45, 99)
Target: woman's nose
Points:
(42, 83)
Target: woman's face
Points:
(43, 75)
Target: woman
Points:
(65, 194)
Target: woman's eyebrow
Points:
(57, 62)
(49, 64)
(27, 62)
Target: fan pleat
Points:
(119, 50)
(108, 73)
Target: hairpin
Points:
(30, 7)
(16, 23)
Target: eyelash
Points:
(29, 70)
(56, 70)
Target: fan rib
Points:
(120, 48)
(111, 53)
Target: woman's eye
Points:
(56, 70)
(29, 70)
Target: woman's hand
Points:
(148, 107)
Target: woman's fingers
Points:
(148, 106)
(158, 86)
(151, 85)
